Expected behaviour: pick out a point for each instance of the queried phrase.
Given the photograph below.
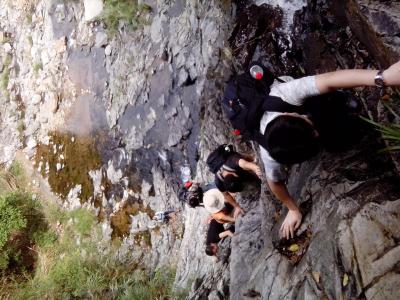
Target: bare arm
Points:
(223, 218)
(225, 233)
(237, 209)
(249, 166)
(332, 81)
(229, 199)
(293, 218)
(280, 191)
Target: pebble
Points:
(108, 50)
(101, 39)
(7, 47)
(31, 143)
(36, 99)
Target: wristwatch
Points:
(379, 82)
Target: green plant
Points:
(61, 255)
(390, 133)
(156, 285)
(38, 66)
(11, 220)
(83, 221)
(17, 171)
(5, 75)
(128, 11)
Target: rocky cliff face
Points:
(139, 111)
(347, 245)
(112, 122)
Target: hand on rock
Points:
(208, 220)
(290, 224)
(257, 171)
(237, 211)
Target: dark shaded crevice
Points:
(189, 81)
(364, 31)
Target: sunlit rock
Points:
(93, 9)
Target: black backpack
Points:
(246, 99)
(218, 157)
(193, 196)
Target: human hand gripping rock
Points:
(291, 223)
(257, 171)
(237, 211)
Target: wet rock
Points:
(93, 9)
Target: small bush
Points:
(83, 220)
(151, 286)
(11, 220)
(128, 11)
(20, 220)
(78, 265)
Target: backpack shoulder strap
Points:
(276, 104)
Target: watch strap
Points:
(379, 82)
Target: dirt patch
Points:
(66, 160)
(295, 248)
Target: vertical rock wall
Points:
(347, 244)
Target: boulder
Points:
(93, 9)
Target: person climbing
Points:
(293, 137)
(221, 205)
(164, 216)
(215, 233)
(231, 169)
(191, 193)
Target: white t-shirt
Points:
(293, 92)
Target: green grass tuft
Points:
(128, 11)
(390, 133)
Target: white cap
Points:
(213, 201)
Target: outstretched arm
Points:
(237, 209)
(329, 82)
(250, 166)
(222, 217)
(293, 218)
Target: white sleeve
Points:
(273, 170)
(295, 91)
